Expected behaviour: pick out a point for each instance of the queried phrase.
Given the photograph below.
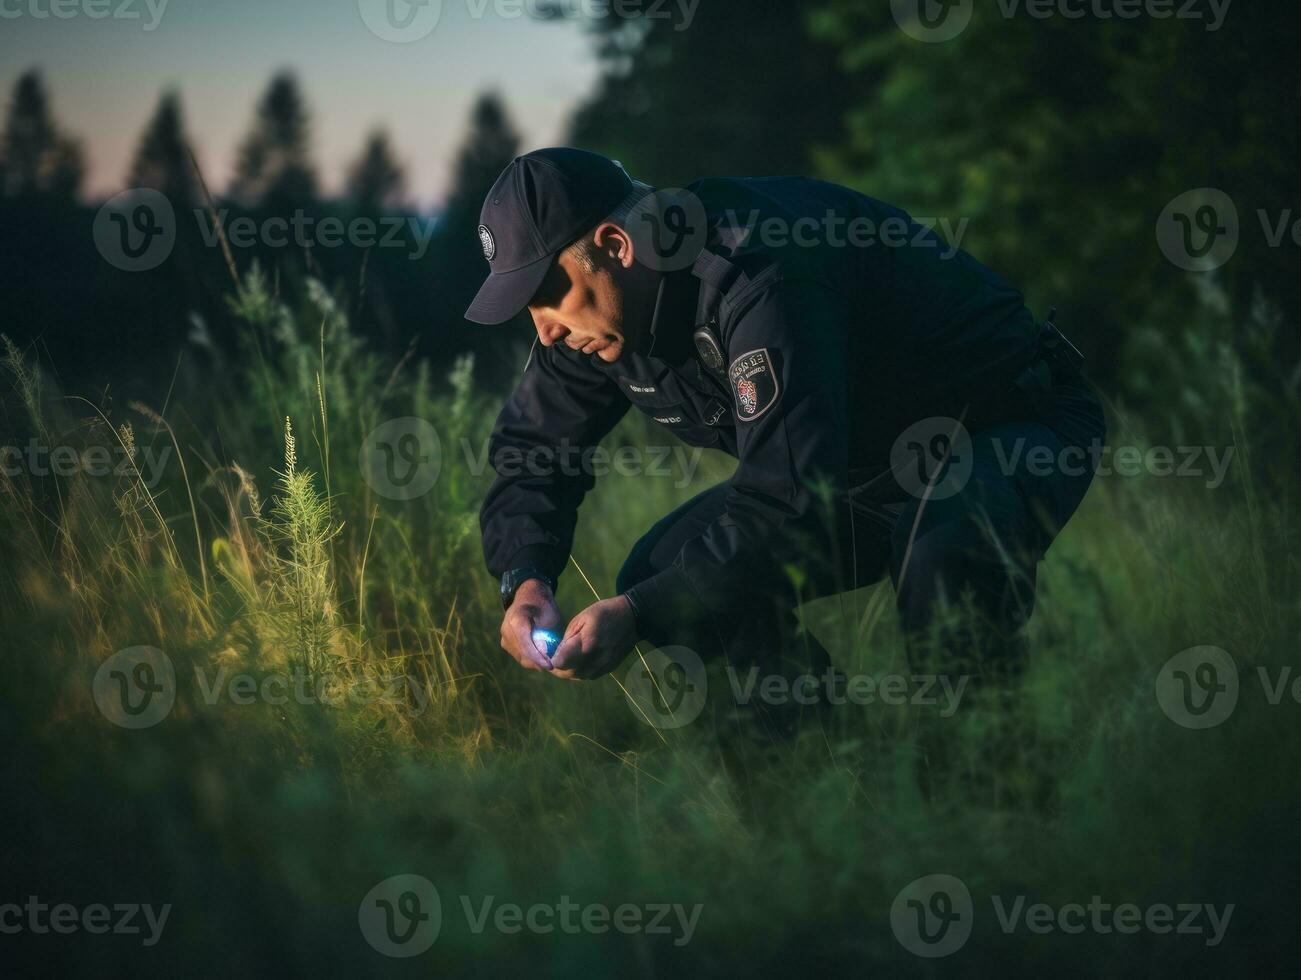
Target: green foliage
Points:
(265, 823)
(1061, 141)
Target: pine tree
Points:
(490, 145)
(162, 158)
(458, 266)
(671, 109)
(38, 158)
(376, 181)
(273, 169)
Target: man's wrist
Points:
(638, 618)
(513, 580)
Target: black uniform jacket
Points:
(841, 321)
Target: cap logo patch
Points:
(754, 382)
(488, 243)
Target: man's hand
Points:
(597, 640)
(534, 607)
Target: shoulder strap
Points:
(717, 275)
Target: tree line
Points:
(1058, 139)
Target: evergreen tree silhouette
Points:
(273, 171)
(376, 181)
(38, 159)
(162, 159)
(489, 146)
(457, 261)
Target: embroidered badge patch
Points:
(754, 382)
(488, 243)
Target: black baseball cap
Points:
(540, 205)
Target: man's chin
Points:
(610, 354)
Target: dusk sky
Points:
(105, 74)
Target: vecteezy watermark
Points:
(136, 687)
(405, 21)
(402, 459)
(1209, 464)
(136, 231)
(94, 461)
(836, 688)
(1213, 12)
(678, 463)
(669, 228)
(667, 687)
(149, 11)
(1199, 688)
(937, 21)
(1200, 230)
(932, 21)
(96, 919)
(933, 916)
(299, 686)
(402, 916)
(1103, 918)
(934, 459)
(302, 230)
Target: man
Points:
(880, 390)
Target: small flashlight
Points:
(547, 641)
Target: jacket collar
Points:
(674, 316)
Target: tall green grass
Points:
(265, 823)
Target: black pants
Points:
(1030, 470)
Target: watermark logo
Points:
(667, 688)
(135, 230)
(932, 21)
(401, 916)
(96, 919)
(136, 687)
(404, 21)
(302, 230)
(1199, 230)
(400, 21)
(669, 229)
(401, 458)
(326, 687)
(1213, 12)
(150, 12)
(932, 459)
(41, 460)
(1210, 464)
(932, 916)
(1198, 687)
(940, 691)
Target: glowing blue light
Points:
(547, 641)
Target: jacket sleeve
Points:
(561, 407)
(792, 442)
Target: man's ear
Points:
(615, 243)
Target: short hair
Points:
(583, 250)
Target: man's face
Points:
(602, 310)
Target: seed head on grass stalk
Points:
(302, 587)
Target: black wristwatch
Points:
(512, 580)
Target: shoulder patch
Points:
(754, 384)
